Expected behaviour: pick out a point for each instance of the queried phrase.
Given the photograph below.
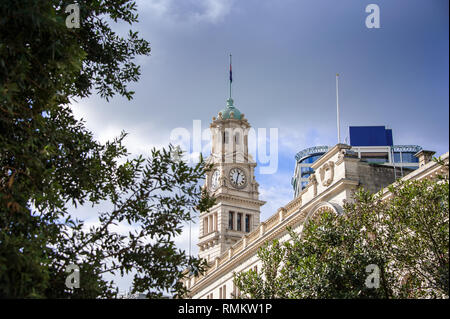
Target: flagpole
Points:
(230, 76)
(337, 107)
(189, 239)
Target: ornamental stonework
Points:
(326, 173)
(313, 181)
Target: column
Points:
(205, 225)
(246, 143)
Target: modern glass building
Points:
(303, 169)
(373, 144)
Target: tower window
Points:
(236, 138)
(247, 223)
(230, 220)
(239, 222)
(225, 137)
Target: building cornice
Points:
(325, 157)
(239, 199)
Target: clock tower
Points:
(232, 182)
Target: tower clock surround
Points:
(238, 177)
(215, 180)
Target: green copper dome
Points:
(230, 108)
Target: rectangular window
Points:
(239, 222)
(247, 223)
(224, 292)
(220, 293)
(225, 137)
(230, 220)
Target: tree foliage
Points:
(405, 236)
(267, 284)
(49, 160)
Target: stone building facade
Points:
(337, 174)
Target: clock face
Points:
(215, 179)
(237, 177)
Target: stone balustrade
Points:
(252, 236)
(271, 222)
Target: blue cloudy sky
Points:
(285, 57)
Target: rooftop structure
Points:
(372, 144)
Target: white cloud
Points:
(215, 11)
(107, 128)
(157, 7)
(186, 12)
(293, 139)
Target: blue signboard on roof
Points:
(370, 136)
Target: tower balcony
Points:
(208, 238)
